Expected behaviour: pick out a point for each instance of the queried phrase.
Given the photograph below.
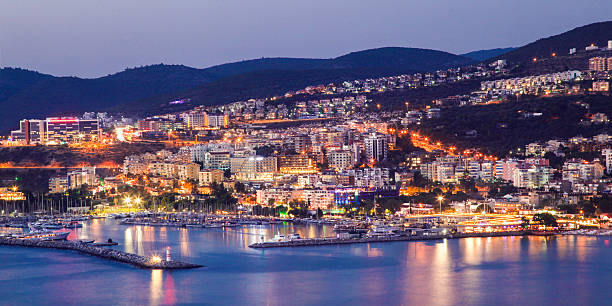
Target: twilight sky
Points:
(91, 38)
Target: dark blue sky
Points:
(96, 37)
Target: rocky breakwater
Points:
(110, 254)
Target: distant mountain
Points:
(401, 58)
(596, 33)
(483, 55)
(28, 94)
(14, 80)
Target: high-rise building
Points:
(195, 120)
(608, 156)
(340, 159)
(217, 121)
(301, 143)
(83, 176)
(598, 63)
(376, 147)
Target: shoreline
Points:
(105, 253)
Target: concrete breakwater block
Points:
(110, 254)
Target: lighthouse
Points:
(168, 258)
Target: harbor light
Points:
(440, 199)
(156, 259)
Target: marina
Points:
(338, 273)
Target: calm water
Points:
(477, 271)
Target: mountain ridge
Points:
(45, 95)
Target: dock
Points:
(375, 239)
(106, 253)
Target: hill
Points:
(483, 55)
(596, 33)
(500, 128)
(27, 94)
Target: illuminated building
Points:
(255, 168)
(598, 63)
(217, 121)
(300, 143)
(209, 176)
(58, 184)
(376, 147)
(83, 176)
(188, 171)
(31, 131)
(608, 156)
(601, 86)
(11, 194)
(71, 129)
(195, 120)
(296, 164)
(340, 159)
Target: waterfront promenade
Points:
(110, 254)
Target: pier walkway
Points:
(110, 254)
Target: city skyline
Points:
(203, 34)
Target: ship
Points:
(44, 235)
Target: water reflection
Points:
(156, 287)
(523, 270)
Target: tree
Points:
(240, 187)
(545, 219)
(319, 213)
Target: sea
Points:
(561, 270)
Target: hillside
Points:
(145, 89)
(483, 55)
(501, 128)
(579, 38)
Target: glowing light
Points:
(156, 259)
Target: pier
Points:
(110, 254)
(339, 241)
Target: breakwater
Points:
(338, 241)
(110, 254)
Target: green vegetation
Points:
(545, 219)
(64, 156)
(503, 127)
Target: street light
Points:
(137, 200)
(127, 200)
(440, 199)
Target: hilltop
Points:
(147, 88)
(596, 33)
(483, 55)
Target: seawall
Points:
(110, 254)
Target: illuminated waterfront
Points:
(476, 271)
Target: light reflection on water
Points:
(472, 271)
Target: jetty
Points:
(373, 239)
(106, 253)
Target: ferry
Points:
(44, 235)
(283, 238)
